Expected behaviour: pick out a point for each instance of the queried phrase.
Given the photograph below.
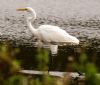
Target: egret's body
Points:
(52, 35)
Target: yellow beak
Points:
(22, 9)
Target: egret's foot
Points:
(80, 73)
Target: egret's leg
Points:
(54, 49)
(40, 44)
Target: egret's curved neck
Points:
(33, 14)
(29, 22)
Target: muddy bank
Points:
(14, 29)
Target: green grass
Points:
(9, 67)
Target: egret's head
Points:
(28, 9)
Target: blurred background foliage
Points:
(10, 66)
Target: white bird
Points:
(52, 35)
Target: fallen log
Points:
(53, 73)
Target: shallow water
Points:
(63, 61)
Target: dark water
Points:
(63, 61)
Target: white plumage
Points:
(55, 34)
(52, 35)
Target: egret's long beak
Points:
(22, 9)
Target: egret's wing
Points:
(50, 33)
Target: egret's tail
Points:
(54, 49)
(72, 39)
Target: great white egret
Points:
(52, 35)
